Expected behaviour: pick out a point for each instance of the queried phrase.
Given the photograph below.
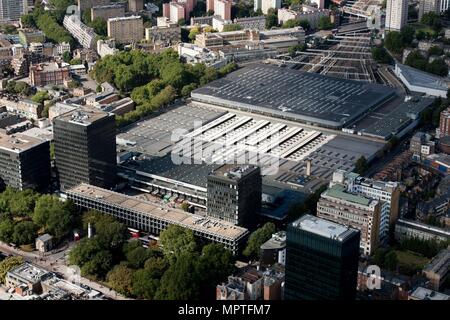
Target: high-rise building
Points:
(222, 8)
(321, 260)
(265, 5)
(444, 123)
(396, 14)
(126, 29)
(176, 12)
(24, 161)
(445, 5)
(354, 210)
(387, 192)
(234, 194)
(135, 5)
(88, 4)
(427, 6)
(11, 10)
(108, 11)
(85, 148)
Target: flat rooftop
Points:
(294, 95)
(157, 211)
(323, 228)
(83, 116)
(18, 142)
(234, 172)
(29, 272)
(426, 294)
(416, 77)
(339, 192)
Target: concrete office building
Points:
(87, 4)
(407, 229)
(135, 5)
(438, 269)
(153, 217)
(85, 148)
(108, 11)
(274, 250)
(352, 209)
(176, 12)
(427, 6)
(48, 74)
(24, 161)
(126, 29)
(396, 14)
(234, 194)
(388, 193)
(106, 47)
(253, 23)
(444, 123)
(11, 10)
(321, 260)
(81, 32)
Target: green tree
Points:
(193, 33)
(6, 230)
(110, 233)
(435, 51)
(186, 90)
(25, 232)
(27, 21)
(40, 97)
(394, 42)
(120, 278)
(291, 23)
(176, 240)
(99, 265)
(99, 25)
(257, 238)
(380, 55)
(136, 258)
(232, 27)
(7, 265)
(144, 286)
(416, 60)
(391, 260)
(361, 165)
(67, 56)
(438, 67)
(272, 18)
(407, 34)
(156, 266)
(297, 48)
(54, 216)
(325, 23)
(304, 24)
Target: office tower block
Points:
(234, 194)
(135, 5)
(396, 14)
(355, 210)
(444, 123)
(427, 6)
(85, 148)
(24, 161)
(11, 10)
(126, 29)
(321, 260)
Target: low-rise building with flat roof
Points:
(438, 269)
(26, 278)
(422, 293)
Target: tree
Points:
(304, 24)
(271, 18)
(391, 260)
(40, 97)
(416, 60)
(186, 90)
(407, 34)
(435, 51)
(232, 27)
(182, 22)
(27, 21)
(181, 280)
(25, 232)
(7, 265)
(136, 258)
(380, 55)
(379, 256)
(67, 56)
(54, 216)
(120, 278)
(438, 67)
(291, 23)
(297, 48)
(176, 240)
(193, 33)
(394, 42)
(144, 286)
(156, 266)
(100, 26)
(361, 165)
(257, 238)
(6, 230)
(110, 233)
(325, 23)
(99, 265)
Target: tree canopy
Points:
(257, 238)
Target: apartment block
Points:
(168, 35)
(108, 11)
(396, 14)
(126, 29)
(354, 210)
(11, 10)
(82, 33)
(48, 74)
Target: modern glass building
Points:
(321, 260)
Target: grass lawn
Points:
(409, 262)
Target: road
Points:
(56, 262)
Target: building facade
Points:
(351, 209)
(11, 10)
(126, 29)
(24, 161)
(81, 32)
(234, 194)
(321, 260)
(396, 14)
(167, 35)
(108, 11)
(85, 148)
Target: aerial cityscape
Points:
(222, 150)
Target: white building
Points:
(218, 23)
(396, 14)
(254, 23)
(62, 47)
(82, 33)
(265, 5)
(308, 13)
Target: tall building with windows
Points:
(11, 10)
(85, 148)
(321, 260)
(126, 29)
(265, 5)
(444, 123)
(24, 161)
(135, 5)
(427, 6)
(387, 192)
(234, 194)
(354, 210)
(396, 14)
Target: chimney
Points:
(308, 167)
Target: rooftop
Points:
(124, 18)
(18, 142)
(83, 116)
(234, 172)
(278, 241)
(323, 228)
(420, 78)
(293, 94)
(426, 294)
(440, 263)
(339, 192)
(156, 210)
(29, 272)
